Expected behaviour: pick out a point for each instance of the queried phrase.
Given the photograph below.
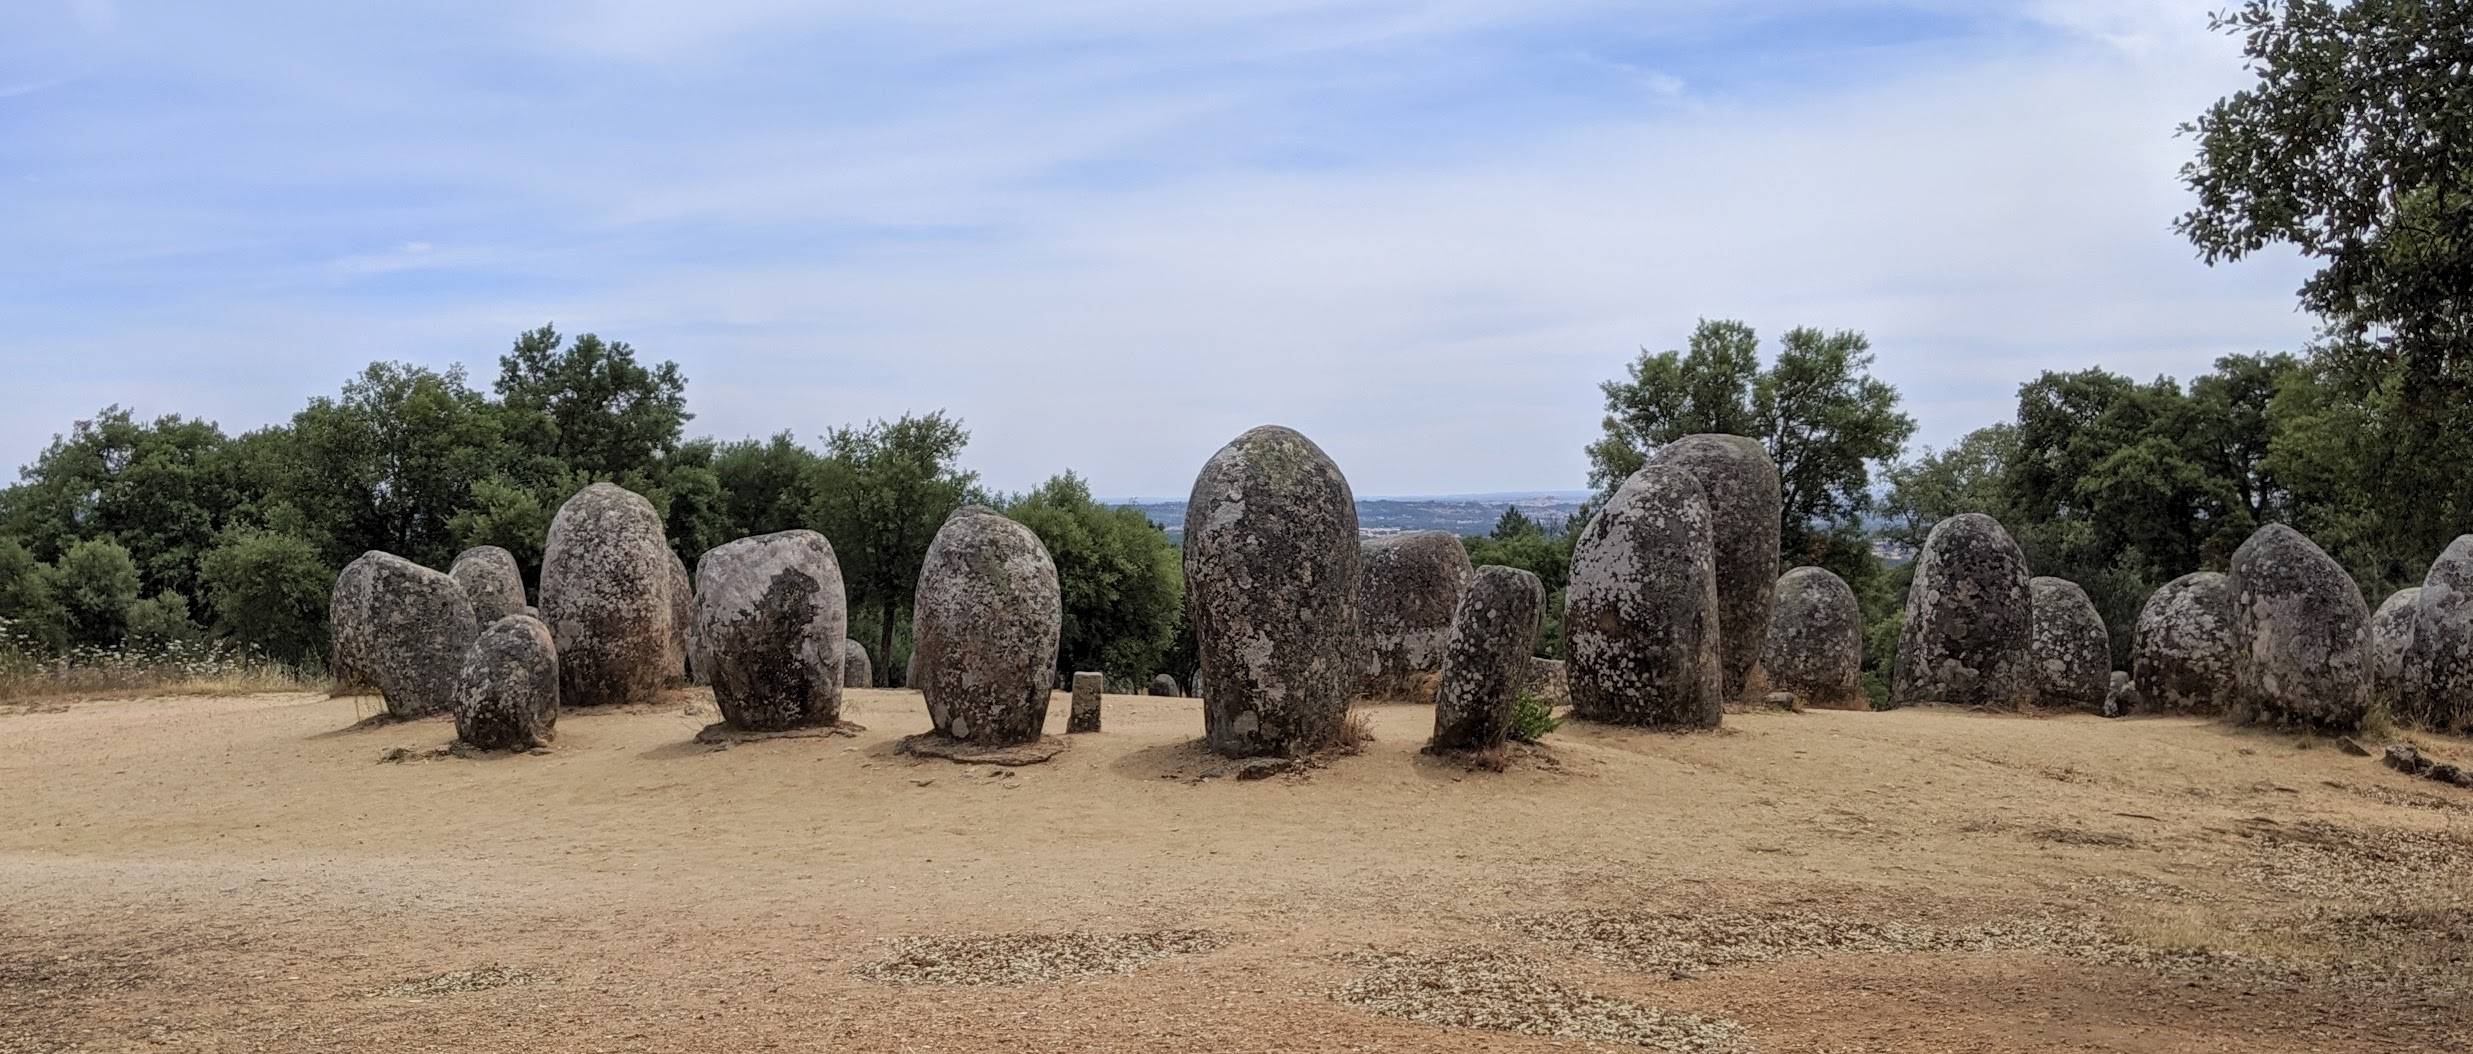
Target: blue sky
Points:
(1108, 235)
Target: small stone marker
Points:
(1086, 688)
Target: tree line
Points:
(140, 533)
(2354, 146)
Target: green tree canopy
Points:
(96, 582)
(2355, 147)
(1123, 582)
(268, 591)
(881, 493)
(590, 407)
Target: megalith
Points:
(986, 619)
(1640, 616)
(606, 597)
(1745, 514)
(1965, 638)
(771, 620)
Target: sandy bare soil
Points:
(247, 874)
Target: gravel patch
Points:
(2348, 864)
(476, 979)
(1509, 993)
(1029, 958)
(1680, 945)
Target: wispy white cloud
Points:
(1110, 237)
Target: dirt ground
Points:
(248, 874)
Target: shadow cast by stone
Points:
(934, 745)
(720, 732)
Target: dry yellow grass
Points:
(243, 873)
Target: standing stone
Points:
(2391, 636)
(1411, 587)
(1548, 680)
(605, 593)
(2121, 695)
(910, 669)
(985, 625)
(2185, 655)
(1746, 505)
(770, 621)
(2073, 653)
(1164, 685)
(352, 637)
(420, 623)
(1492, 637)
(2305, 633)
(2438, 670)
(1814, 647)
(1965, 639)
(492, 581)
(1640, 615)
(857, 671)
(682, 595)
(507, 695)
(1087, 687)
(1271, 582)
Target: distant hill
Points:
(1458, 513)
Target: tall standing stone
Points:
(420, 624)
(770, 621)
(1814, 647)
(1640, 620)
(2438, 670)
(1493, 634)
(2391, 636)
(1965, 639)
(2305, 633)
(1271, 583)
(1088, 687)
(492, 580)
(351, 636)
(605, 593)
(985, 624)
(506, 697)
(1411, 585)
(857, 670)
(2185, 656)
(682, 596)
(1746, 506)
(2071, 648)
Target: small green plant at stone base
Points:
(1532, 718)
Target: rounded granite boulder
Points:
(1164, 686)
(1814, 647)
(770, 623)
(492, 580)
(506, 697)
(2184, 654)
(857, 670)
(1745, 514)
(2305, 632)
(2391, 636)
(606, 596)
(1640, 616)
(1411, 585)
(2438, 669)
(1966, 636)
(1485, 661)
(420, 624)
(1272, 571)
(682, 594)
(351, 637)
(2071, 647)
(985, 625)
